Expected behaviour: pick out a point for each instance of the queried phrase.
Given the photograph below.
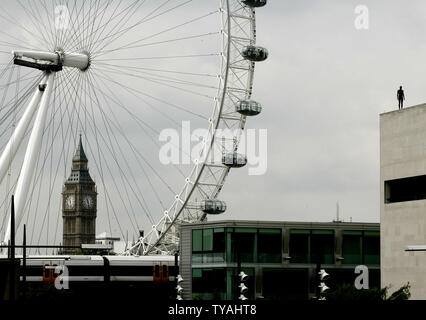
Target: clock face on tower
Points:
(69, 202)
(88, 202)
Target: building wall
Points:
(402, 155)
(185, 265)
(287, 269)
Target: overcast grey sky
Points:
(322, 89)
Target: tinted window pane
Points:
(207, 239)
(218, 245)
(285, 284)
(235, 282)
(197, 240)
(322, 247)
(219, 241)
(352, 249)
(211, 285)
(299, 248)
(245, 244)
(371, 249)
(269, 246)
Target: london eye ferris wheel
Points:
(118, 72)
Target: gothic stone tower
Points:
(79, 204)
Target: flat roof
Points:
(300, 224)
(417, 106)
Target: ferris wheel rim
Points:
(192, 183)
(143, 245)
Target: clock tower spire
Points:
(79, 203)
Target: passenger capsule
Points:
(248, 107)
(234, 160)
(213, 206)
(254, 3)
(254, 53)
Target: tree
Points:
(347, 292)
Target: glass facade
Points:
(248, 245)
(216, 253)
(269, 245)
(209, 284)
(220, 283)
(285, 284)
(208, 245)
(309, 246)
(361, 247)
(352, 247)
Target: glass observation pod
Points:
(213, 206)
(254, 3)
(234, 160)
(254, 53)
(248, 107)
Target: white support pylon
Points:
(33, 149)
(18, 135)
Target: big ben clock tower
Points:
(79, 204)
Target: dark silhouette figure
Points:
(401, 97)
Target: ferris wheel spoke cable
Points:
(22, 79)
(97, 22)
(88, 100)
(109, 22)
(179, 125)
(99, 42)
(49, 21)
(161, 32)
(141, 124)
(12, 104)
(77, 34)
(154, 43)
(127, 88)
(99, 167)
(163, 57)
(39, 177)
(155, 77)
(101, 28)
(87, 23)
(132, 148)
(164, 82)
(110, 146)
(120, 23)
(133, 68)
(15, 23)
(102, 157)
(40, 181)
(91, 25)
(35, 20)
(147, 18)
(117, 125)
(155, 109)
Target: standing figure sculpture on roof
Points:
(401, 97)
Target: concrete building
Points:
(403, 198)
(279, 257)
